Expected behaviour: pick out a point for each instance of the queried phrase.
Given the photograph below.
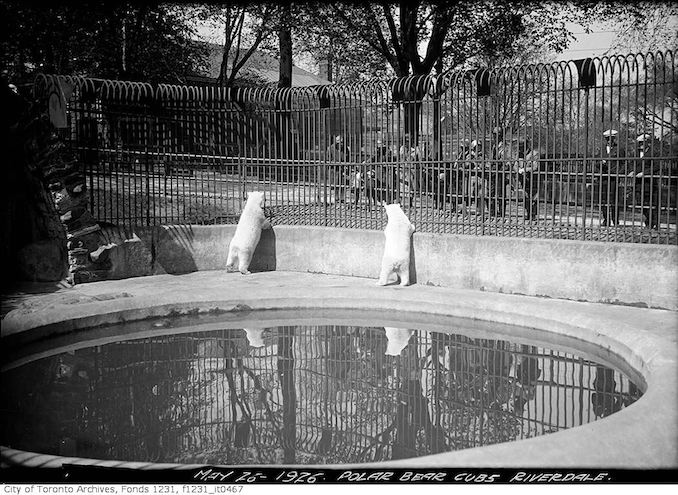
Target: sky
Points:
(600, 40)
(591, 44)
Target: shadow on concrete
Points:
(413, 263)
(171, 248)
(264, 258)
(15, 294)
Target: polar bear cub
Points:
(247, 233)
(398, 233)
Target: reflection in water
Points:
(397, 340)
(255, 336)
(300, 394)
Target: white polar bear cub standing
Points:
(398, 233)
(247, 233)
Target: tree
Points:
(347, 56)
(641, 26)
(416, 37)
(245, 27)
(285, 43)
(419, 38)
(98, 38)
(285, 79)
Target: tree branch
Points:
(233, 30)
(434, 51)
(402, 67)
(409, 34)
(381, 46)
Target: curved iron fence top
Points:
(103, 88)
(406, 88)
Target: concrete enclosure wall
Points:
(645, 275)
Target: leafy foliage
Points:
(246, 26)
(416, 37)
(97, 38)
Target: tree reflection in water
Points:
(304, 394)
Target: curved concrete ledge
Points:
(633, 274)
(644, 435)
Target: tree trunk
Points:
(285, 44)
(284, 124)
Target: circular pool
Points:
(300, 388)
(292, 369)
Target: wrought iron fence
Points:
(586, 149)
(301, 394)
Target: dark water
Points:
(300, 394)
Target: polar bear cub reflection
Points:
(398, 339)
(255, 336)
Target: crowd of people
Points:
(488, 174)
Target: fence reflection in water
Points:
(580, 150)
(304, 394)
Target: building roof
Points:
(259, 64)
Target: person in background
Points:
(462, 167)
(612, 165)
(503, 156)
(479, 180)
(381, 179)
(410, 154)
(336, 173)
(647, 176)
(526, 165)
(449, 180)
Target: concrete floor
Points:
(644, 435)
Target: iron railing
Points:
(513, 151)
(309, 394)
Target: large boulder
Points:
(42, 261)
(128, 258)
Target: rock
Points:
(42, 261)
(65, 202)
(85, 276)
(74, 244)
(131, 258)
(103, 253)
(59, 170)
(83, 231)
(78, 268)
(76, 223)
(90, 241)
(74, 178)
(78, 257)
(73, 214)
